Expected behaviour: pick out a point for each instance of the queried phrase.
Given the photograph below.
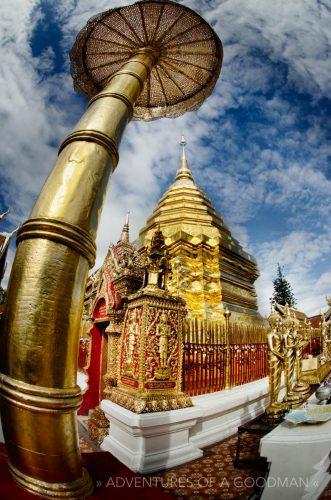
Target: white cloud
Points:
(297, 36)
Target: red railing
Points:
(204, 356)
(204, 366)
(248, 362)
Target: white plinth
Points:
(154, 441)
(300, 457)
(223, 412)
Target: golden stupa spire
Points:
(184, 172)
(125, 231)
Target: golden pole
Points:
(112, 59)
(227, 315)
(56, 247)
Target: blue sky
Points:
(259, 146)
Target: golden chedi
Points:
(210, 269)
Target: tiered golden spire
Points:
(185, 207)
(184, 173)
(125, 231)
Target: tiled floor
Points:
(211, 477)
(214, 476)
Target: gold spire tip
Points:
(125, 231)
(183, 144)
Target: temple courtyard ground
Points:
(214, 476)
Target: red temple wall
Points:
(92, 396)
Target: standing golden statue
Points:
(276, 359)
(133, 334)
(146, 60)
(163, 332)
(290, 344)
(324, 337)
(300, 343)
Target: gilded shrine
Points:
(184, 255)
(150, 359)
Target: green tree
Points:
(283, 293)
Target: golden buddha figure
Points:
(133, 332)
(324, 337)
(276, 359)
(163, 332)
(300, 343)
(290, 359)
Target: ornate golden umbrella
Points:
(189, 55)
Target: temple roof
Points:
(184, 208)
(124, 238)
(291, 311)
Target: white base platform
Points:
(156, 441)
(300, 458)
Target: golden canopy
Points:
(189, 55)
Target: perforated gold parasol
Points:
(189, 55)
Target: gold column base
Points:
(98, 425)
(40, 429)
(274, 414)
(151, 403)
(293, 400)
(301, 388)
(80, 488)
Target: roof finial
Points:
(125, 231)
(183, 144)
(183, 172)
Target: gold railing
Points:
(211, 363)
(204, 331)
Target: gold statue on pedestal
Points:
(324, 337)
(293, 356)
(276, 361)
(291, 398)
(300, 343)
(276, 358)
(285, 344)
